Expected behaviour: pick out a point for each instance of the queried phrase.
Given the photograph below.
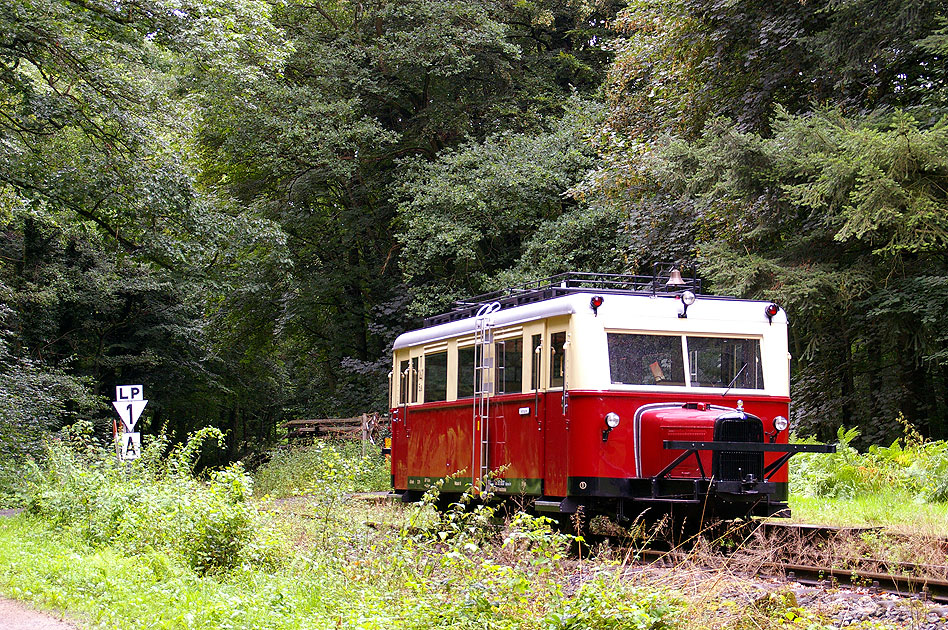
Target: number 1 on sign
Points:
(129, 413)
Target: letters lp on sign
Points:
(128, 393)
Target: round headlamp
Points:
(612, 420)
(688, 298)
(781, 424)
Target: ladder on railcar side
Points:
(484, 359)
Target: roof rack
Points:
(572, 282)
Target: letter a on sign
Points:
(131, 446)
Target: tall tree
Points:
(112, 256)
(795, 150)
(318, 148)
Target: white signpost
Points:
(129, 403)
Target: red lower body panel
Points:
(540, 450)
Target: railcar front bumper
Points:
(748, 488)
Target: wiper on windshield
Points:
(734, 380)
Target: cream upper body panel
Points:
(587, 348)
(501, 319)
(707, 317)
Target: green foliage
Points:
(34, 399)
(201, 196)
(462, 525)
(796, 152)
(911, 465)
(534, 537)
(841, 221)
(606, 604)
(323, 468)
(236, 201)
(112, 257)
(320, 148)
(152, 503)
(489, 209)
(877, 185)
(682, 63)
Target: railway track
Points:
(905, 585)
(906, 579)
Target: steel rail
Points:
(904, 585)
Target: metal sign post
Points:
(129, 403)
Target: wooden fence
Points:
(368, 427)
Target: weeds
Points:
(152, 503)
(910, 465)
(298, 470)
(152, 546)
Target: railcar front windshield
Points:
(646, 359)
(685, 361)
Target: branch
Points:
(129, 245)
(323, 13)
(103, 12)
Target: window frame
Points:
(686, 359)
(431, 351)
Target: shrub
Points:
(911, 465)
(154, 502)
(33, 401)
(295, 470)
(611, 605)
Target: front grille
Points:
(731, 466)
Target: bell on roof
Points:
(675, 279)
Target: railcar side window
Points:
(509, 375)
(557, 359)
(466, 372)
(645, 359)
(414, 379)
(402, 382)
(725, 362)
(436, 376)
(535, 361)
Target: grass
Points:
(162, 549)
(902, 486)
(212, 557)
(894, 510)
(292, 470)
(351, 579)
(362, 578)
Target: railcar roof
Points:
(569, 283)
(621, 309)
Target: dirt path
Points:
(16, 615)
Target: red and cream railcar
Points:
(606, 393)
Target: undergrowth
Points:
(152, 503)
(910, 465)
(293, 470)
(167, 549)
(150, 545)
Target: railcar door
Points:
(405, 391)
(517, 417)
(556, 422)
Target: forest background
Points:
(240, 203)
